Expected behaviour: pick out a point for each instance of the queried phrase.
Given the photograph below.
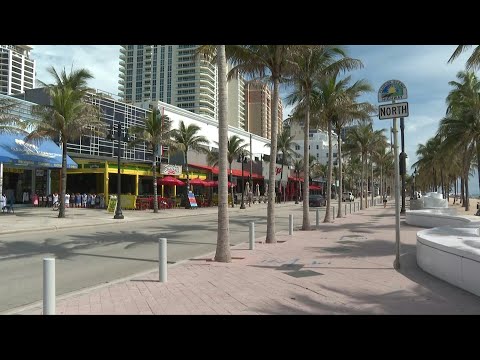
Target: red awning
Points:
(235, 172)
(295, 178)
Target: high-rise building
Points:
(17, 70)
(258, 103)
(168, 73)
(236, 101)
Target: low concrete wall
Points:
(451, 254)
(430, 218)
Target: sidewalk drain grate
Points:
(294, 267)
(303, 273)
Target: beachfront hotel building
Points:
(236, 102)
(17, 70)
(258, 109)
(172, 74)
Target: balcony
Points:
(123, 57)
(121, 81)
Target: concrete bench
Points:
(452, 254)
(430, 218)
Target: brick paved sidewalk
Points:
(344, 268)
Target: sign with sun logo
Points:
(392, 90)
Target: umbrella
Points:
(169, 180)
(198, 181)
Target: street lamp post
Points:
(242, 159)
(415, 173)
(111, 136)
(403, 169)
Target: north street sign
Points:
(391, 111)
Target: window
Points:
(297, 147)
(317, 147)
(308, 147)
(334, 154)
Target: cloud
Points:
(101, 60)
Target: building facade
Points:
(27, 168)
(236, 102)
(169, 73)
(258, 104)
(318, 143)
(17, 70)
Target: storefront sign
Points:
(167, 169)
(192, 200)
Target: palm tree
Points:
(473, 62)
(186, 139)
(222, 253)
(10, 123)
(362, 138)
(68, 118)
(347, 108)
(269, 62)
(234, 149)
(310, 65)
(285, 146)
(218, 54)
(156, 134)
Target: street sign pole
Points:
(396, 263)
(394, 90)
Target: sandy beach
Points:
(461, 210)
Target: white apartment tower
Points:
(168, 73)
(17, 70)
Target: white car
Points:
(348, 196)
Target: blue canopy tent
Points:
(14, 150)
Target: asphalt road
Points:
(91, 256)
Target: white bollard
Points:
(48, 286)
(317, 219)
(252, 235)
(162, 259)
(290, 224)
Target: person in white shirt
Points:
(55, 198)
(3, 202)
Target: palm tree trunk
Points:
(381, 179)
(362, 182)
(282, 193)
(478, 164)
(270, 238)
(441, 183)
(155, 191)
(340, 180)
(231, 187)
(329, 171)
(462, 189)
(372, 188)
(306, 166)
(222, 253)
(61, 208)
(467, 200)
(187, 203)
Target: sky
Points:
(422, 68)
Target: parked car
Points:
(317, 201)
(348, 196)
